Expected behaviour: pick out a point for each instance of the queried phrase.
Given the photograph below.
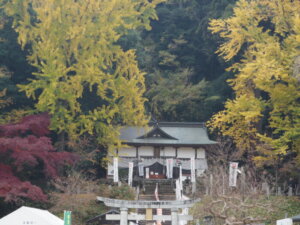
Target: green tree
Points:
(76, 55)
(264, 117)
(184, 78)
(173, 96)
(13, 65)
(4, 100)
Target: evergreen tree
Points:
(185, 80)
(14, 68)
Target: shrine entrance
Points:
(124, 205)
(156, 171)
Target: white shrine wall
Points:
(185, 152)
(168, 152)
(182, 152)
(127, 151)
(200, 153)
(146, 151)
(165, 152)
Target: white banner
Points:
(116, 171)
(178, 191)
(170, 168)
(130, 173)
(156, 192)
(233, 170)
(141, 169)
(110, 169)
(180, 177)
(147, 173)
(193, 175)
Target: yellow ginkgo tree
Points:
(73, 45)
(264, 117)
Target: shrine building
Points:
(149, 148)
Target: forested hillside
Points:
(185, 79)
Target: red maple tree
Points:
(25, 145)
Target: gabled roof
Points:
(156, 132)
(167, 133)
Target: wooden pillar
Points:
(290, 193)
(137, 152)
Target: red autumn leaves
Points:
(25, 146)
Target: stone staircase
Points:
(165, 192)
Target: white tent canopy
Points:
(31, 216)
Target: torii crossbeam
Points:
(125, 204)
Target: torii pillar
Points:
(124, 216)
(174, 216)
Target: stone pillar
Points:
(174, 216)
(290, 193)
(211, 179)
(279, 191)
(194, 187)
(124, 216)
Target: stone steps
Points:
(152, 222)
(161, 197)
(164, 211)
(165, 192)
(165, 187)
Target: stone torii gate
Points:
(124, 205)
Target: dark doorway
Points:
(157, 152)
(156, 171)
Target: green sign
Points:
(67, 218)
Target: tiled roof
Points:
(167, 133)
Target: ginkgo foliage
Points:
(74, 48)
(264, 117)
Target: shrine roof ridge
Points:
(178, 124)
